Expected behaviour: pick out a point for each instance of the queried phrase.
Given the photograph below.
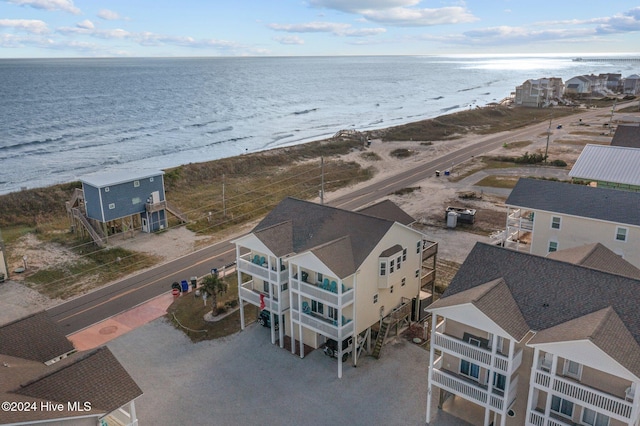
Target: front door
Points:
(145, 225)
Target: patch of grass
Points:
(63, 280)
(370, 156)
(187, 313)
(517, 144)
(12, 233)
(401, 153)
(491, 119)
(578, 142)
(406, 191)
(499, 181)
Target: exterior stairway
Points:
(176, 212)
(83, 220)
(382, 335)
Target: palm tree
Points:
(213, 286)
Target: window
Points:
(417, 273)
(555, 222)
(399, 262)
(621, 234)
(572, 369)
(391, 289)
(383, 269)
(590, 417)
(333, 313)
(317, 307)
(375, 298)
(553, 246)
(319, 277)
(135, 200)
(265, 286)
(151, 179)
(136, 183)
(404, 255)
(106, 189)
(391, 266)
(561, 406)
(403, 282)
(418, 245)
(470, 370)
(112, 206)
(499, 381)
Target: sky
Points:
(186, 28)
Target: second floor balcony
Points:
(252, 293)
(257, 266)
(478, 355)
(341, 297)
(335, 330)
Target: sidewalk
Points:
(107, 330)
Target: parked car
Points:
(264, 319)
(331, 348)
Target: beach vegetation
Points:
(370, 156)
(401, 153)
(406, 191)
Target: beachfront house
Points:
(631, 85)
(546, 216)
(538, 93)
(120, 202)
(519, 339)
(608, 166)
(49, 383)
(324, 274)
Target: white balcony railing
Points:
(323, 327)
(245, 265)
(251, 295)
(460, 387)
(321, 295)
(610, 405)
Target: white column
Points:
(132, 413)
(431, 365)
(532, 377)
(554, 365)
(291, 292)
(239, 275)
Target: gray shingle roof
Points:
(578, 200)
(387, 209)
(627, 136)
(102, 179)
(495, 301)
(313, 225)
(549, 292)
(597, 256)
(607, 163)
(34, 337)
(604, 329)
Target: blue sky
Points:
(90, 28)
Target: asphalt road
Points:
(123, 295)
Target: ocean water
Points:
(64, 118)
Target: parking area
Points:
(243, 379)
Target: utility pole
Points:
(224, 206)
(322, 180)
(613, 108)
(546, 150)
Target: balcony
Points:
(476, 354)
(155, 207)
(474, 391)
(429, 248)
(248, 265)
(316, 292)
(515, 219)
(250, 294)
(611, 405)
(323, 326)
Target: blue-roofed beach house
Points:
(115, 202)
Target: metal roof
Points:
(102, 179)
(615, 164)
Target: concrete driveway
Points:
(244, 380)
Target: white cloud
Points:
(63, 5)
(86, 24)
(326, 27)
(109, 15)
(289, 40)
(34, 26)
(399, 12)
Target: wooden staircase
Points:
(77, 214)
(176, 212)
(382, 335)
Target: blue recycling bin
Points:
(184, 284)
